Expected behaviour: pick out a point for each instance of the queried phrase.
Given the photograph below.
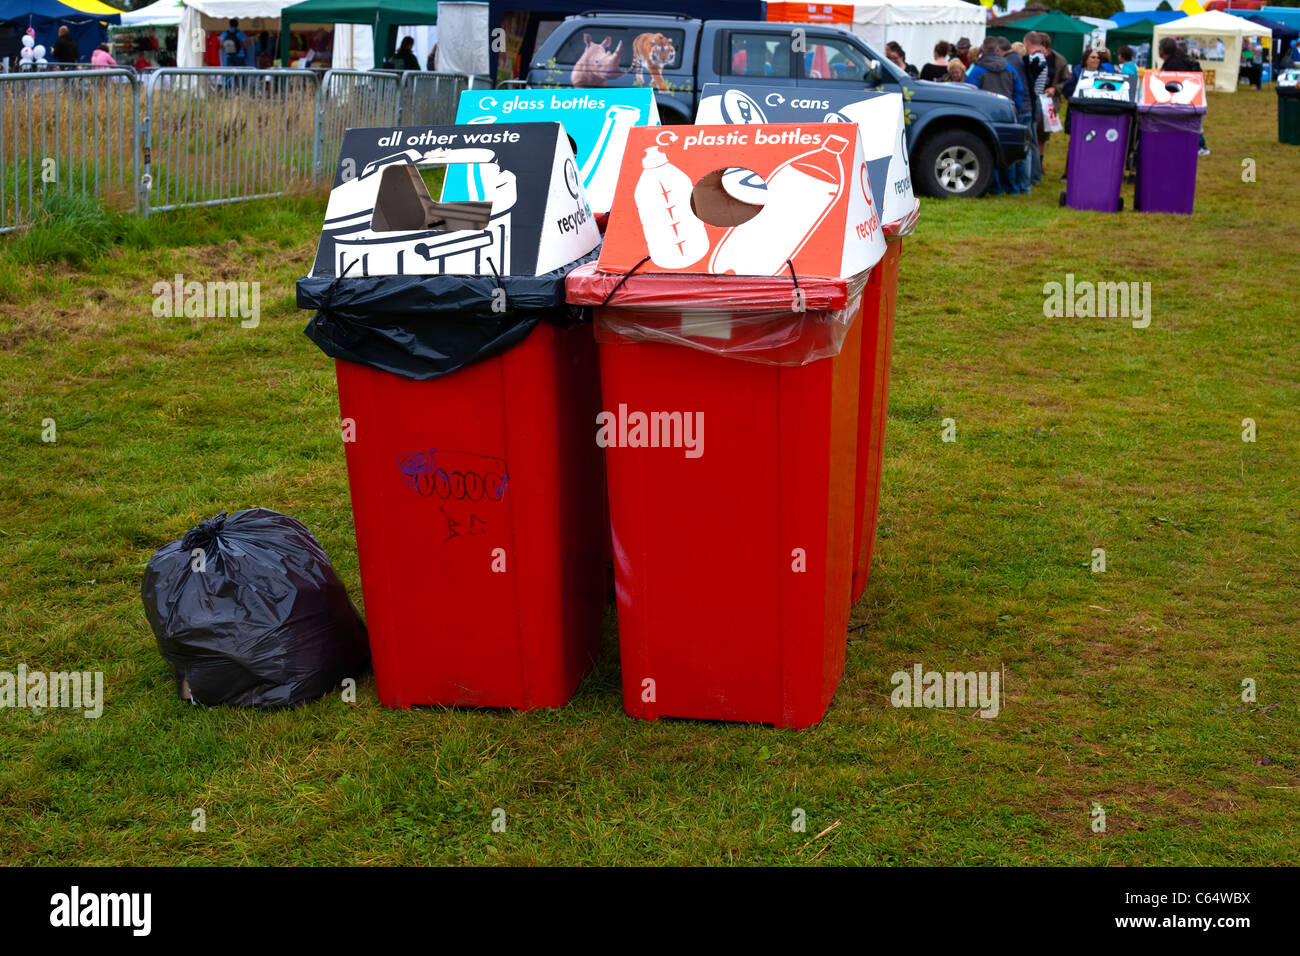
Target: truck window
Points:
(663, 48)
(759, 54)
(829, 58)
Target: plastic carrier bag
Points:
(248, 611)
(770, 320)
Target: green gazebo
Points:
(382, 16)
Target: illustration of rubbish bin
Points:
(1170, 110)
(730, 340)
(467, 392)
(1101, 117)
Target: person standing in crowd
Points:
(899, 58)
(234, 46)
(1048, 72)
(431, 64)
(937, 68)
(405, 58)
(101, 57)
(964, 51)
(1025, 113)
(992, 74)
(1126, 64)
(956, 72)
(65, 48)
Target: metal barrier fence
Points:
(179, 137)
(351, 98)
(430, 99)
(213, 136)
(65, 132)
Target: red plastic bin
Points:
(449, 478)
(878, 306)
(714, 619)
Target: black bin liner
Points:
(422, 327)
(266, 623)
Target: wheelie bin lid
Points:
(1099, 92)
(1288, 83)
(768, 320)
(1169, 92)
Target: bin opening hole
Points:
(404, 201)
(1173, 87)
(729, 197)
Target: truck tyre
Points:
(953, 163)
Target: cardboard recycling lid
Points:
(1100, 92)
(880, 122)
(531, 215)
(597, 120)
(1186, 90)
(676, 205)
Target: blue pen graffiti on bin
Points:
(455, 475)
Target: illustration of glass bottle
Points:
(675, 237)
(800, 192)
(599, 177)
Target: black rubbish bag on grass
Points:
(248, 612)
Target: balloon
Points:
(26, 54)
(28, 41)
(39, 51)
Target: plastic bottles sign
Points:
(1160, 88)
(670, 209)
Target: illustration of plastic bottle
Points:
(800, 192)
(674, 235)
(598, 176)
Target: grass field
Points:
(1123, 688)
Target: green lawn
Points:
(1123, 688)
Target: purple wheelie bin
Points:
(1101, 119)
(1169, 116)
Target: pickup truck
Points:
(956, 134)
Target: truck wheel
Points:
(954, 163)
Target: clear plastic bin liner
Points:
(769, 320)
(1170, 119)
(905, 226)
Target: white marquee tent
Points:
(916, 25)
(162, 13)
(1214, 41)
(198, 16)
